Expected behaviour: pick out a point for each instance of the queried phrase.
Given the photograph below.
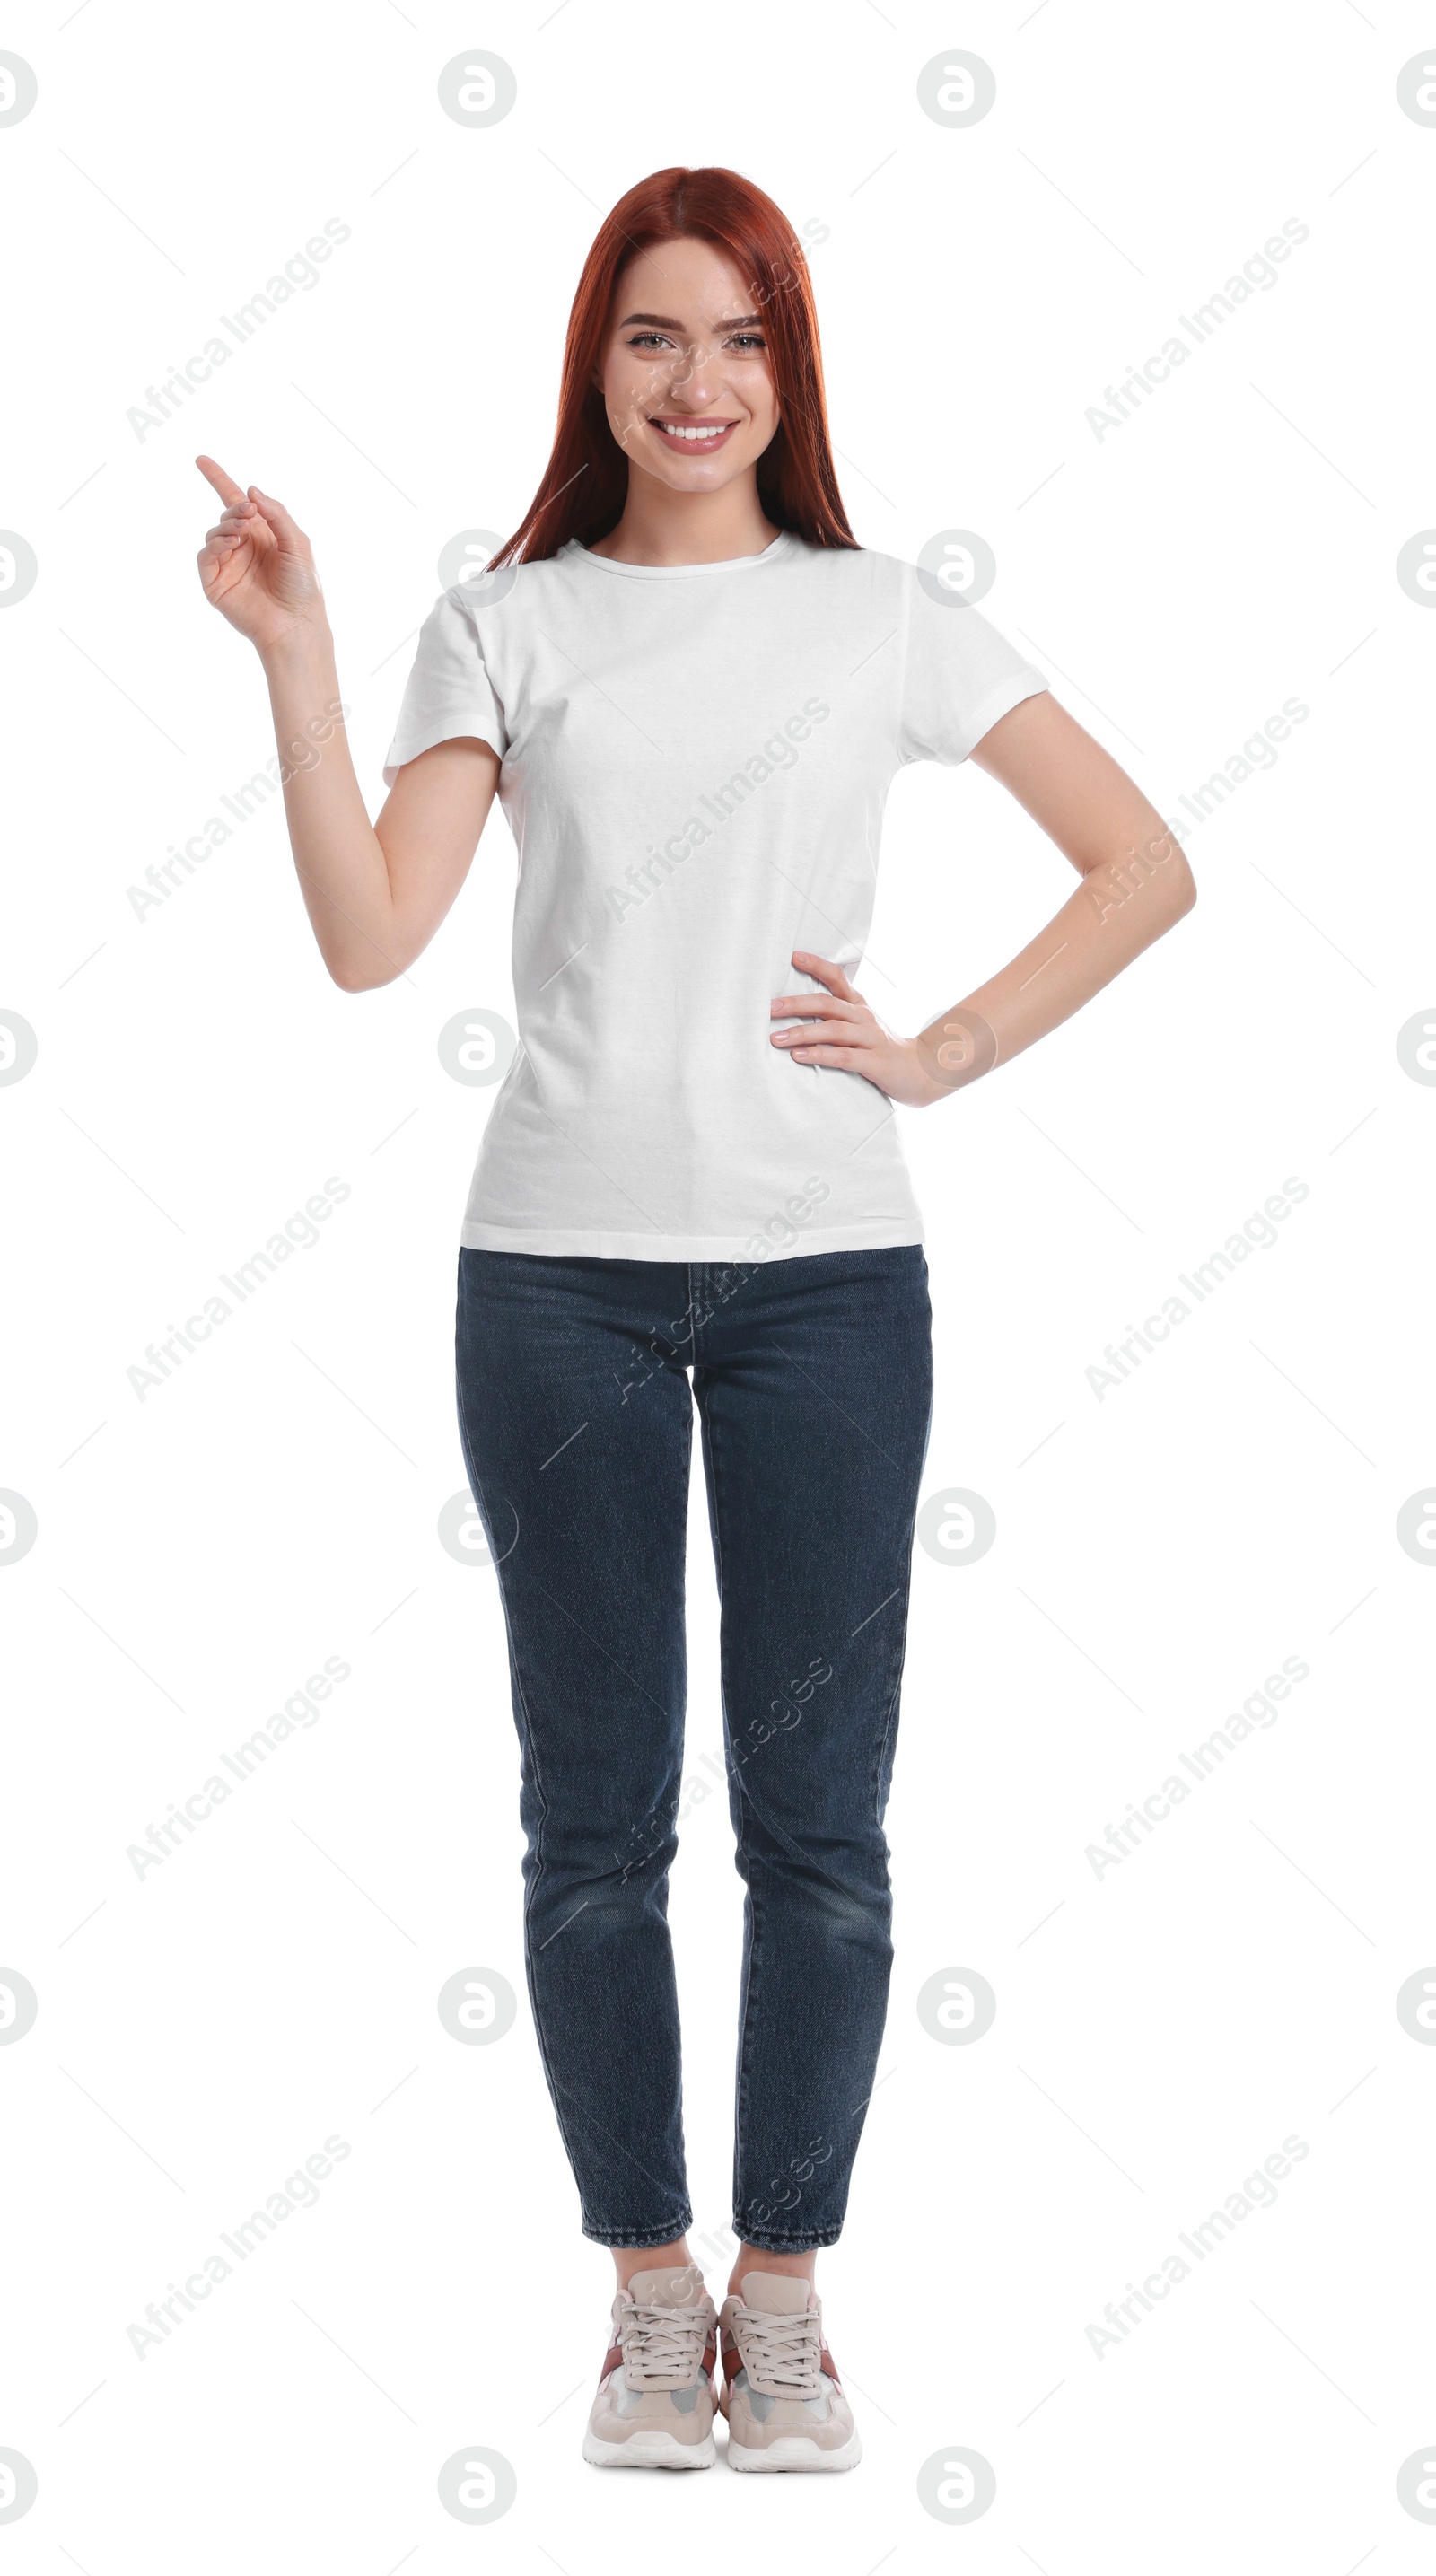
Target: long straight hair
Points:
(586, 482)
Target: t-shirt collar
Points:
(575, 552)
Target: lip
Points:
(692, 446)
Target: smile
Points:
(703, 437)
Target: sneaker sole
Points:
(794, 2451)
(650, 2451)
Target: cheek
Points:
(765, 405)
(628, 386)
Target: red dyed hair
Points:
(586, 483)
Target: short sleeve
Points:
(959, 676)
(449, 692)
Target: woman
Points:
(691, 688)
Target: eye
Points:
(640, 338)
(748, 340)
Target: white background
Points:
(1159, 2030)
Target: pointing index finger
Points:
(224, 484)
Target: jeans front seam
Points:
(900, 1648)
(745, 2056)
(740, 2104)
(529, 1755)
(898, 1655)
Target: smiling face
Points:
(685, 369)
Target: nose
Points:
(697, 379)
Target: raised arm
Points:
(1135, 885)
(375, 892)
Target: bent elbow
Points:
(352, 977)
(1183, 890)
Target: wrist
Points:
(932, 1089)
(956, 1049)
(915, 1085)
(305, 646)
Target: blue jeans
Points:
(813, 1382)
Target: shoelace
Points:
(780, 2352)
(663, 2343)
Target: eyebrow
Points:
(665, 322)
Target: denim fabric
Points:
(813, 1382)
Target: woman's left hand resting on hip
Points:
(843, 1031)
(1135, 885)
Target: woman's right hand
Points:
(256, 565)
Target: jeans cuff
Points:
(812, 2239)
(634, 2239)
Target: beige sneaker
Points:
(654, 2407)
(780, 2391)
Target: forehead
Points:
(690, 280)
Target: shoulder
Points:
(852, 575)
(474, 612)
(847, 563)
(482, 588)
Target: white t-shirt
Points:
(695, 763)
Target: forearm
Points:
(1120, 908)
(1135, 885)
(343, 874)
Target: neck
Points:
(660, 526)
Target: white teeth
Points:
(706, 436)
